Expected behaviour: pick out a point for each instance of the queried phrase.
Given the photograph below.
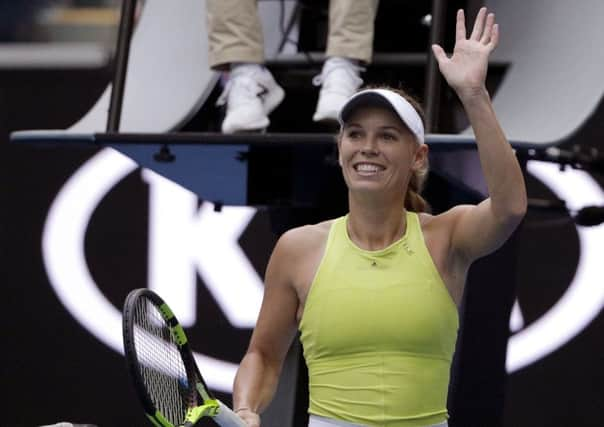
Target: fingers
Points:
(460, 26)
(494, 36)
(439, 53)
(488, 29)
(479, 24)
(483, 30)
(251, 419)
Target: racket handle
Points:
(227, 418)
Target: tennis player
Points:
(375, 294)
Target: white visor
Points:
(385, 98)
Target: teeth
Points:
(364, 167)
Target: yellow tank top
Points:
(379, 331)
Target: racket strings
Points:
(161, 365)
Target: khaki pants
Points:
(235, 34)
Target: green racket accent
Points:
(208, 409)
(158, 420)
(177, 332)
(204, 393)
(166, 312)
(179, 335)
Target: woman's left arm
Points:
(479, 230)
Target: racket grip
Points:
(227, 418)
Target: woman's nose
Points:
(369, 146)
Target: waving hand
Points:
(496, 217)
(466, 70)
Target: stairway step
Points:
(316, 59)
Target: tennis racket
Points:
(163, 369)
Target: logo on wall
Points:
(584, 297)
(186, 240)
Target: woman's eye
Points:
(354, 134)
(389, 137)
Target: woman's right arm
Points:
(258, 374)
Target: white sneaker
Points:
(339, 80)
(250, 95)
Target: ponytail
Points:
(414, 202)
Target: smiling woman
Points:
(375, 293)
(398, 123)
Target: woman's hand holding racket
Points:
(249, 417)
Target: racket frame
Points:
(210, 406)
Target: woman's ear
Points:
(421, 157)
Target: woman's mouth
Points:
(368, 169)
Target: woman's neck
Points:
(376, 225)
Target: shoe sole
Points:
(272, 101)
(325, 120)
(251, 128)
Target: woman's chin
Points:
(368, 189)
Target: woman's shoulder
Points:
(295, 259)
(446, 219)
(307, 236)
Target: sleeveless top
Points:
(378, 331)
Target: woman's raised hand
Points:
(466, 70)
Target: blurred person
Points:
(251, 93)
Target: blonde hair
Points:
(414, 202)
